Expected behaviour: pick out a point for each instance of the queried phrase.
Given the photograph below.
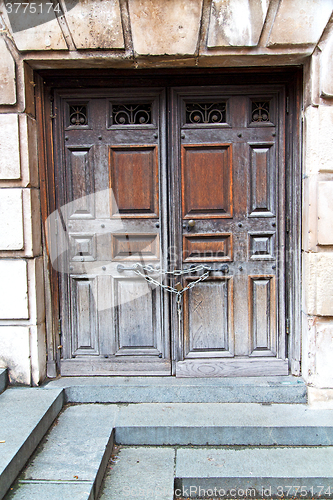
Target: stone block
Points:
(38, 30)
(324, 353)
(13, 289)
(28, 151)
(318, 139)
(326, 69)
(309, 216)
(325, 213)
(95, 24)
(318, 283)
(11, 219)
(36, 291)
(10, 167)
(236, 23)
(15, 353)
(32, 223)
(300, 22)
(160, 27)
(7, 75)
(320, 398)
(38, 353)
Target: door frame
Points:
(289, 77)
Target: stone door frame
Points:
(290, 77)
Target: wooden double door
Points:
(154, 180)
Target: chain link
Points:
(176, 272)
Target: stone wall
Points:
(159, 33)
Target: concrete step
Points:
(25, 416)
(223, 424)
(254, 472)
(3, 379)
(72, 459)
(140, 473)
(284, 389)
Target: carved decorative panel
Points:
(261, 112)
(77, 116)
(84, 316)
(135, 246)
(205, 112)
(131, 114)
(207, 247)
(80, 169)
(262, 315)
(208, 319)
(83, 247)
(134, 180)
(262, 181)
(262, 246)
(213, 197)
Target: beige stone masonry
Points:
(13, 289)
(15, 353)
(300, 22)
(165, 27)
(318, 283)
(10, 167)
(38, 353)
(11, 219)
(36, 291)
(38, 30)
(310, 218)
(236, 22)
(325, 213)
(318, 139)
(95, 24)
(326, 70)
(320, 398)
(7, 75)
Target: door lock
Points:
(189, 225)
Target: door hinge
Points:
(287, 105)
(287, 326)
(52, 115)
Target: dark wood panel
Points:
(84, 315)
(207, 247)
(208, 319)
(135, 246)
(134, 180)
(206, 180)
(83, 247)
(262, 181)
(262, 308)
(80, 172)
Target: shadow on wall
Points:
(24, 15)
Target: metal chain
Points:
(176, 272)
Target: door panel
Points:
(232, 189)
(110, 159)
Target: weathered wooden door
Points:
(168, 179)
(111, 182)
(228, 207)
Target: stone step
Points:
(140, 473)
(215, 424)
(3, 379)
(283, 389)
(306, 472)
(71, 462)
(25, 416)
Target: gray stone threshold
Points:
(281, 389)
